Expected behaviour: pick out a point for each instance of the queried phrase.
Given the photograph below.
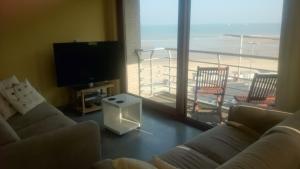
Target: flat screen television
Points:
(81, 63)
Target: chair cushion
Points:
(39, 113)
(186, 158)
(7, 134)
(241, 98)
(210, 90)
(223, 142)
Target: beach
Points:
(207, 49)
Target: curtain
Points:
(288, 90)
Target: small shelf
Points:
(89, 109)
(89, 99)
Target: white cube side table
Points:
(122, 113)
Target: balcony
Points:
(158, 68)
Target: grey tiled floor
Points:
(157, 135)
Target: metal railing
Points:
(219, 56)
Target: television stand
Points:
(89, 99)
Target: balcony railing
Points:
(157, 71)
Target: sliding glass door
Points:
(169, 43)
(241, 35)
(151, 38)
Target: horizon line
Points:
(250, 23)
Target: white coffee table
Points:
(122, 113)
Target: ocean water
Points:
(211, 37)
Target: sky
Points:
(162, 12)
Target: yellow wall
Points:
(26, 40)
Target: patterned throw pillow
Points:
(9, 82)
(6, 109)
(23, 97)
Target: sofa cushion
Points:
(129, 163)
(7, 134)
(291, 125)
(107, 164)
(223, 142)
(161, 164)
(273, 151)
(45, 125)
(258, 119)
(186, 158)
(39, 113)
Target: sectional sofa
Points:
(253, 138)
(44, 138)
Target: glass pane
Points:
(243, 35)
(152, 62)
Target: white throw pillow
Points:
(23, 97)
(6, 109)
(9, 82)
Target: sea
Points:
(214, 37)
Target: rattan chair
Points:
(211, 81)
(262, 90)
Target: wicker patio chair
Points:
(262, 90)
(211, 81)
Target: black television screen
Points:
(81, 63)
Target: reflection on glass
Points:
(158, 56)
(243, 35)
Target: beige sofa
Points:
(46, 139)
(252, 138)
